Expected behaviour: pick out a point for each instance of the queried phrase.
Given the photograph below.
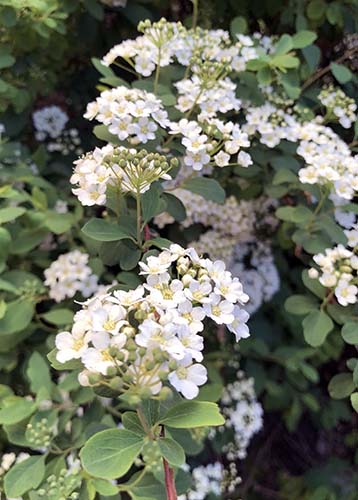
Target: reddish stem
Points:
(169, 476)
(147, 234)
(169, 481)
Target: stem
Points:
(195, 13)
(321, 72)
(169, 481)
(139, 221)
(317, 209)
(157, 71)
(144, 422)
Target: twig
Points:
(316, 76)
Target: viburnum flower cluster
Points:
(339, 105)
(128, 170)
(338, 269)
(69, 274)
(138, 340)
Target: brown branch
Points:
(316, 76)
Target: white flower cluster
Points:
(328, 159)
(68, 142)
(49, 121)
(128, 170)
(339, 105)
(70, 274)
(163, 43)
(217, 97)
(254, 265)
(211, 142)
(207, 480)
(244, 415)
(130, 114)
(151, 335)
(338, 269)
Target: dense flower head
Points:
(69, 274)
(244, 415)
(338, 269)
(139, 339)
(49, 121)
(130, 114)
(339, 105)
(128, 170)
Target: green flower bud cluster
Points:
(61, 487)
(39, 434)
(152, 457)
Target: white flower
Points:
(346, 293)
(244, 159)
(71, 345)
(221, 311)
(222, 159)
(188, 377)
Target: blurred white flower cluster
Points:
(254, 265)
(150, 335)
(70, 274)
(207, 480)
(338, 269)
(49, 121)
(127, 170)
(339, 105)
(244, 416)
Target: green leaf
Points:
(104, 487)
(151, 203)
(10, 213)
(341, 73)
(300, 304)
(24, 476)
(265, 76)
(238, 26)
(17, 317)
(350, 333)
(58, 223)
(299, 214)
(38, 373)
(102, 230)
(172, 451)
(341, 386)
(101, 68)
(174, 207)
(354, 401)
(303, 39)
(110, 454)
(132, 423)
(316, 9)
(334, 231)
(205, 187)
(192, 414)
(312, 55)
(58, 316)
(284, 175)
(316, 327)
(313, 285)
(129, 255)
(16, 409)
(284, 45)
(6, 60)
(95, 9)
(285, 61)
